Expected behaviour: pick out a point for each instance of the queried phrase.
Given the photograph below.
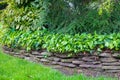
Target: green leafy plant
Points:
(47, 24)
(29, 17)
(61, 43)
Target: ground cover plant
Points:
(61, 43)
(17, 69)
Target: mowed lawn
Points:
(17, 69)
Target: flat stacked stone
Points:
(39, 56)
(116, 55)
(111, 67)
(45, 53)
(105, 61)
(70, 65)
(109, 62)
(113, 71)
(44, 60)
(35, 53)
(54, 63)
(105, 55)
(77, 62)
(66, 60)
(57, 59)
(87, 59)
(22, 51)
(90, 66)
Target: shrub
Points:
(24, 17)
(59, 16)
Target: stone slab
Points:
(108, 60)
(45, 53)
(57, 59)
(35, 53)
(93, 63)
(112, 64)
(39, 56)
(90, 66)
(54, 63)
(77, 62)
(87, 59)
(44, 60)
(22, 51)
(66, 60)
(113, 71)
(105, 55)
(116, 55)
(67, 65)
(111, 67)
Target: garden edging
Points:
(105, 62)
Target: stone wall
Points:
(106, 61)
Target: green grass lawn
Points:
(17, 69)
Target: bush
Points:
(60, 17)
(24, 17)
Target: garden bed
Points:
(92, 65)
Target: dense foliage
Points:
(68, 16)
(48, 24)
(61, 43)
(3, 4)
(29, 17)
